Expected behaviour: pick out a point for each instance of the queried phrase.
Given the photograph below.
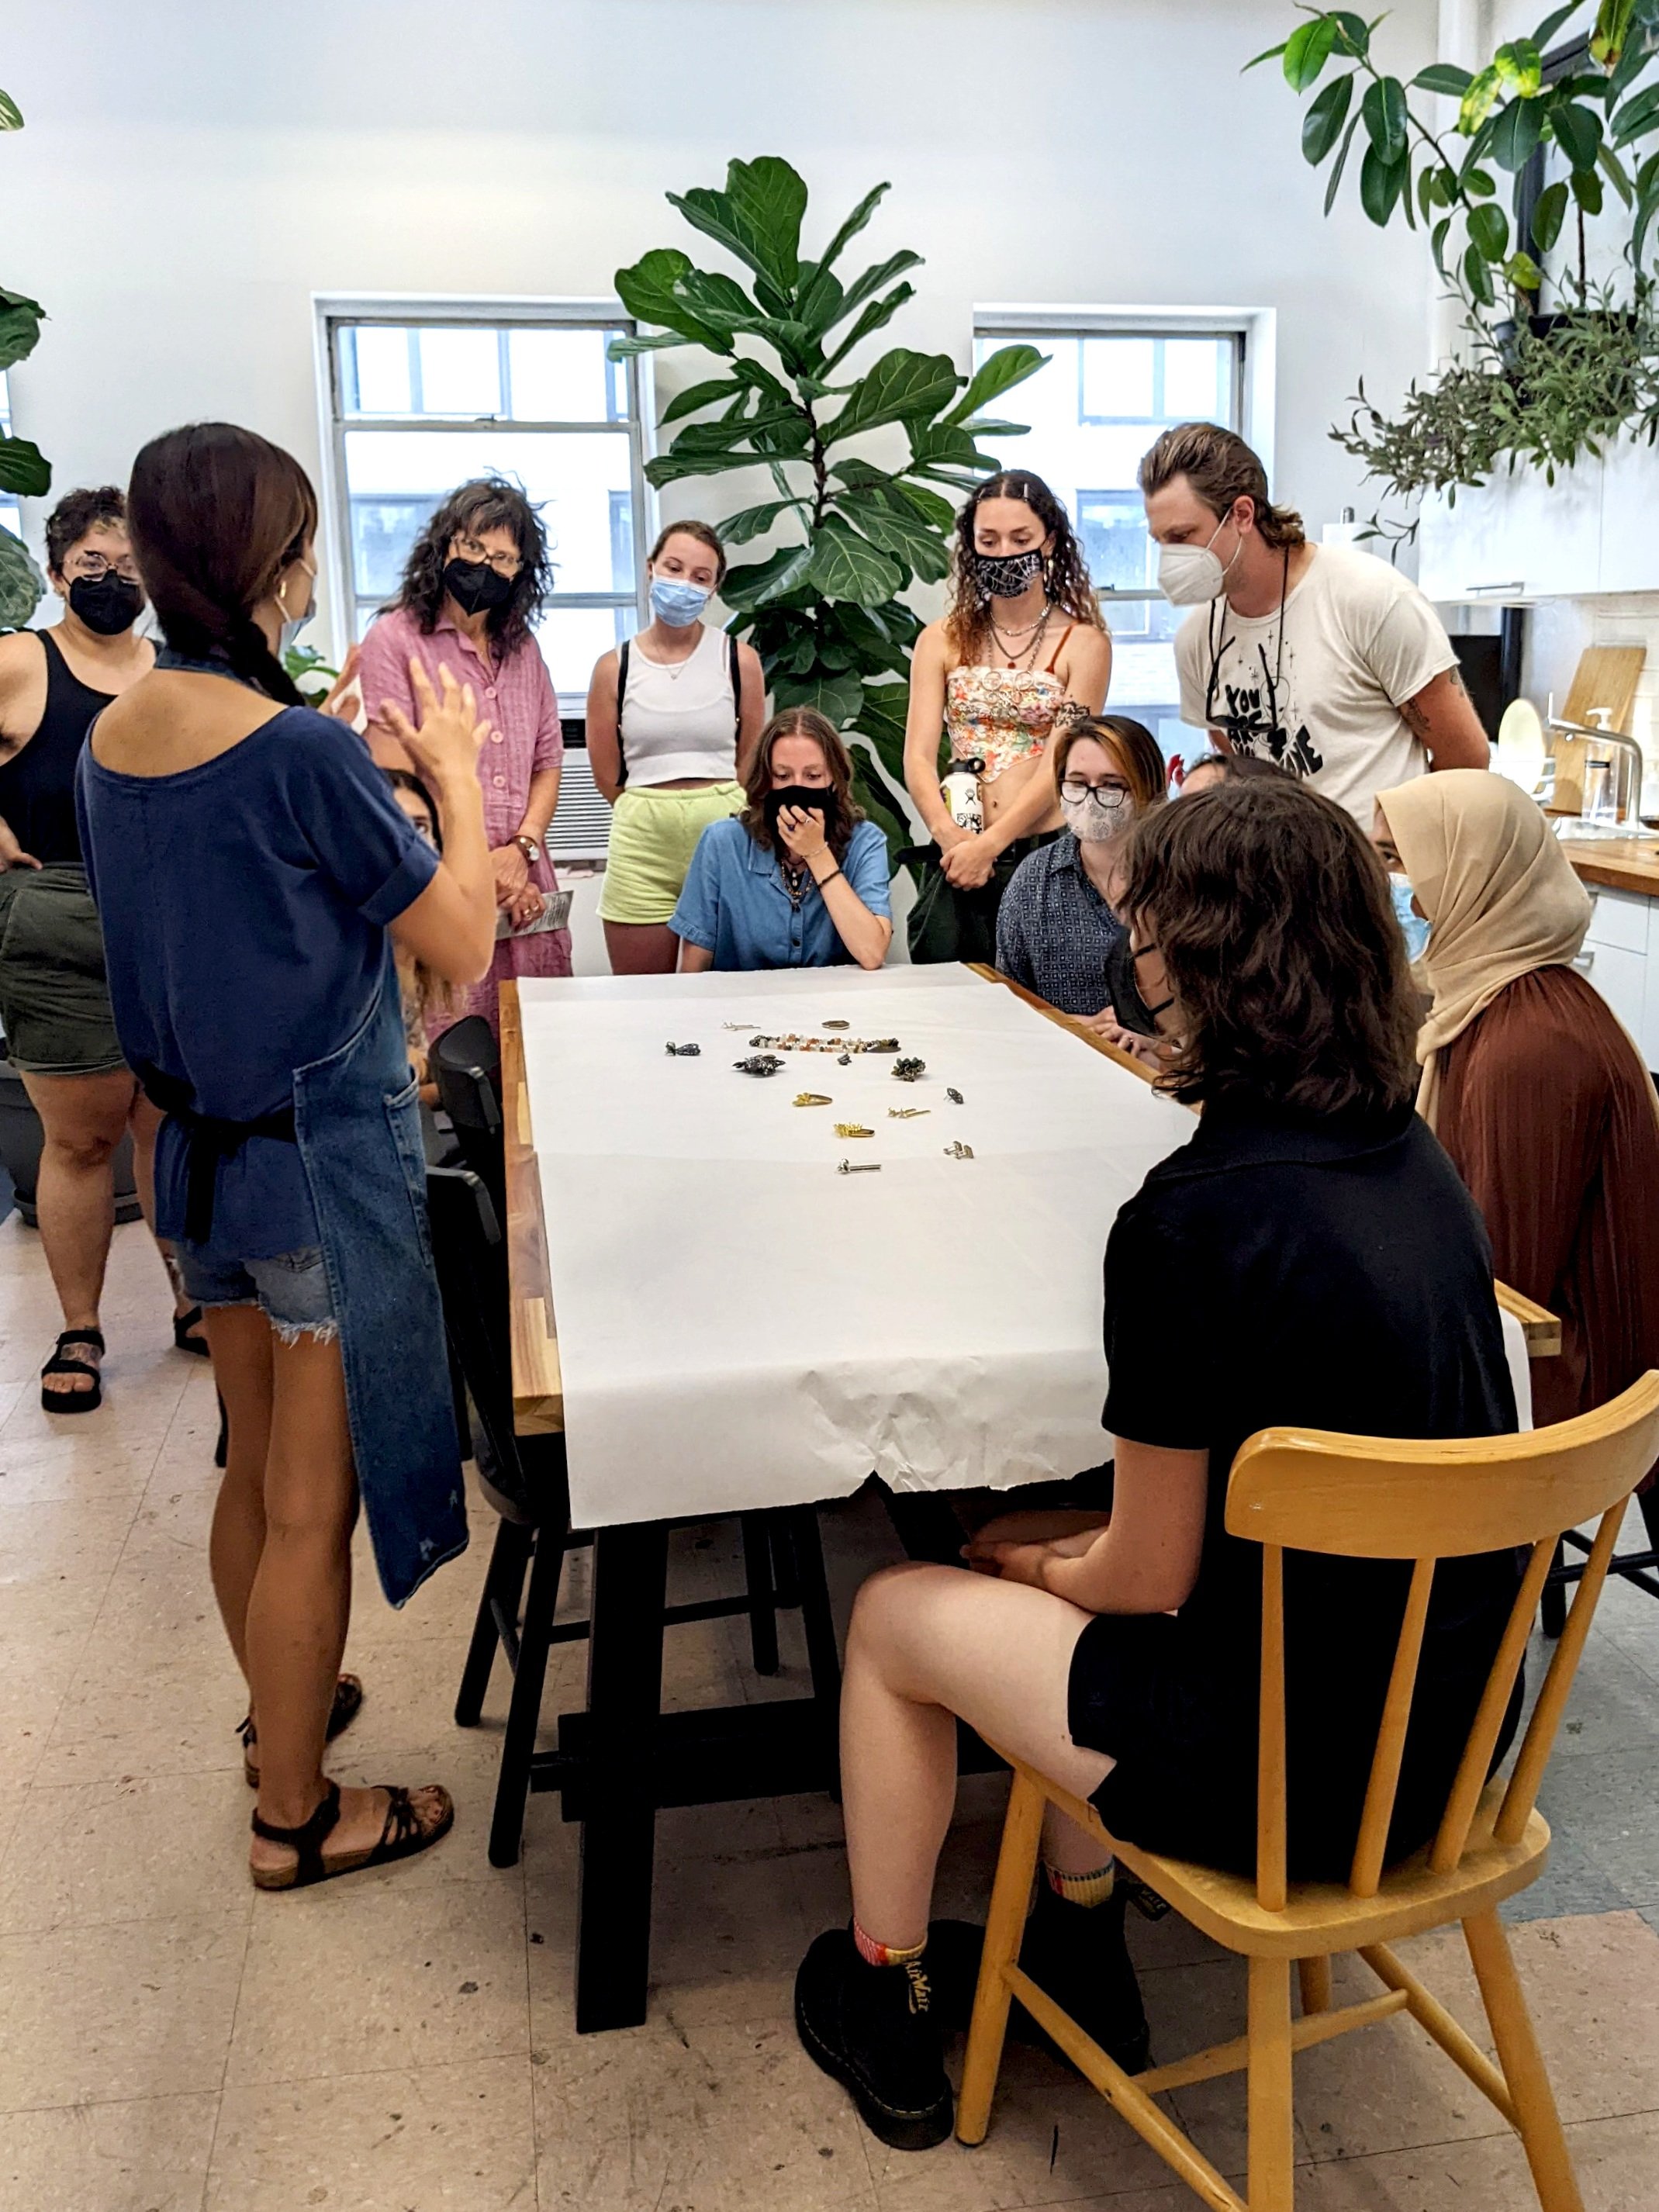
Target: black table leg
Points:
(625, 1699)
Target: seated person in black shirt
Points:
(1313, 1210)
(1056, 930)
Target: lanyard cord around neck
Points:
(1216, 651)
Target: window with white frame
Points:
(11, 515)
(1092, 412)
(423, 400)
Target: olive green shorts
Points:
(654, 835)
(54, 996)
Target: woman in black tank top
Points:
(54, 1000)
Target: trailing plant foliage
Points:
(823, 609)
(23, 469)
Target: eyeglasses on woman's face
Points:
(465, 547)
(94, 567)
(1106, 791)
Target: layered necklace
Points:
(1024, 657)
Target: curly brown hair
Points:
(78, 512)
(1065, 577)
(1278, 934)
(802, 722)
(486, 503)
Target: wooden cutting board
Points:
(1607, 676)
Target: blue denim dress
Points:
(244, 906)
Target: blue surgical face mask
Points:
(1412, 926)
(676, 602)
(293, 624)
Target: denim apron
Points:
(357, 1123)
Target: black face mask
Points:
(476, 587)
(820, 798)
(1005, 575)
(107, 604)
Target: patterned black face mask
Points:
(1005, 575)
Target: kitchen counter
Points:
(1620, 864)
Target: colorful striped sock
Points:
(886, 1954)
(1083, 1888)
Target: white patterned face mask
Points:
(1095, 815)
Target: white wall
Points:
(191, 176)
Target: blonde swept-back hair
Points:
(1221, 468)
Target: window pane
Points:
(375, 362)
(572, 638)
(572, 476)
(563, 376)
(1115, 541)
(1194, 380)
(460, 373)
(383, 533)
(1117, 379)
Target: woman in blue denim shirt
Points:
(798, 879)
(252, 870)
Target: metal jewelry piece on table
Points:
(958, 1151)
(758, 1063)
(852, 1129)
(836, 1025)
(846, 1061)
(684, 1051)
(907, 1112)
(811, 1098)
(862, 1167)
(955, 1096)
(793, 1044)
(908, 1071)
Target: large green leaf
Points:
(1519, 64)
(1551, 23)
(901, 387)
(673, 468)
(754, 521)
(928, 505)
(876, 278)
(650, 292)
(651, 342)
(1489, 229)
(720, 302)
(11, 115)
(1307, 51)
(881, 805)
(696, 396)
(1444, 77)
(1547, 216)
(1380, 184)
(847, 567)
(820, 301)
(757, 216)
(854, 223)
(875, 316)
(23, 586)
(1322, 126)
(1577, 133)
(1340, 164)
(1637, 117)
(1516, 135)
(24, 468)
(1383, 109)
(1482, 95)
(746, 586)
(832, 692)
(897, 530)
(722, 436)
(21, 318)
(998, 373)
(1586, 186)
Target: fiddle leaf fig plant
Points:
(24, 468)
(856, 460)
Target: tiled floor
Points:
(169, 2042)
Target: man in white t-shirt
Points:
(1321, 658)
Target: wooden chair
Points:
(1358, 1498)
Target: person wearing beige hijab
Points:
(1529, 1080)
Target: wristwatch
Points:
(529, 848)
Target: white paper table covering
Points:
(740, 1326)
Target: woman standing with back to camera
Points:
(673, 715)
(252, 872)
(1020, 652)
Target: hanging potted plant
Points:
(1534, 387)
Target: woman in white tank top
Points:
(673, 715)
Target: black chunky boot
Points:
(875, 2030)
(1076, 1955)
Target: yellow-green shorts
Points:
(654, 835)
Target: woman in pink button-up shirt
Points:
(474, 583)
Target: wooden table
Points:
(605, 1779)
(1620, 864)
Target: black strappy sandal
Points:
(348, 1703)
(73, 1402)
(182, 1325)
(401, 1837)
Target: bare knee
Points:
(82, 1152)
(885, 1610)
(307, 1524)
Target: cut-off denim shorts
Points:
(291, 1291)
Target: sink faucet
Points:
(1629, 766)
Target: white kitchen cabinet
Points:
(1630, 517)
(1516, 537)
(1621, 958)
